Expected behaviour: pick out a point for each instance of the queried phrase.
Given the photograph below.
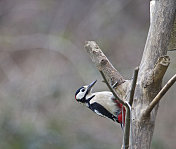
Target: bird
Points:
(102, 103)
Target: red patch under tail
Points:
(119, 116)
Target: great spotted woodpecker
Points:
(102, 103)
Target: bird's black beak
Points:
(90, 86)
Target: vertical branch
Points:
(128, 110)
(152, 10)
(127, 126)
(133, 85)
(172, 41)
(163, 15)
(149, 80)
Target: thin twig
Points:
(127, 116)
(128, 111)
(111, 89)
(133, 85)
(132, 91)
(158, 97)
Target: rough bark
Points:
(104, 65)
(152, 68)
(172, 41)
(150, 77)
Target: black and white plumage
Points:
(102, 103)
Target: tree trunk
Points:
(150, 77)
(152, 68)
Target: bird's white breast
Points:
(105, 99)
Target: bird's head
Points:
(83, 92)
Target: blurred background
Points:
(43, 63)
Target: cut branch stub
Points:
(158, 97)
(104, 65)
(156, 74)
(161, 67)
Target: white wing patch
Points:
(97, 112)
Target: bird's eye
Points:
(83, 90)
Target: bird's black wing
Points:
(100, 110)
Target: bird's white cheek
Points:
(79, 96)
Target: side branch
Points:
(103, 64)
(159, 96)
